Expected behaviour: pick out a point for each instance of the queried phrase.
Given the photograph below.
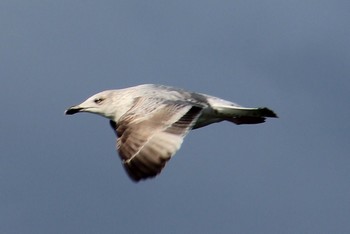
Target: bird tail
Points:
(242, 115)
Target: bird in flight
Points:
(151, 121)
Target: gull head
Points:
(103, 103)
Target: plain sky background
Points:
(61, 174)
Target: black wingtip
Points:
(266, 112)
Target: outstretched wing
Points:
(151, 132)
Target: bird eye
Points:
(98, 100)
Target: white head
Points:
(103, 103)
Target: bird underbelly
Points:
(207, 118)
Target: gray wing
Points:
(150, 133)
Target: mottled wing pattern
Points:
(151, 132)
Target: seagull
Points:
(151, 121)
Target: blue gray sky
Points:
(61, 174)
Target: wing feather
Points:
(148, 137)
